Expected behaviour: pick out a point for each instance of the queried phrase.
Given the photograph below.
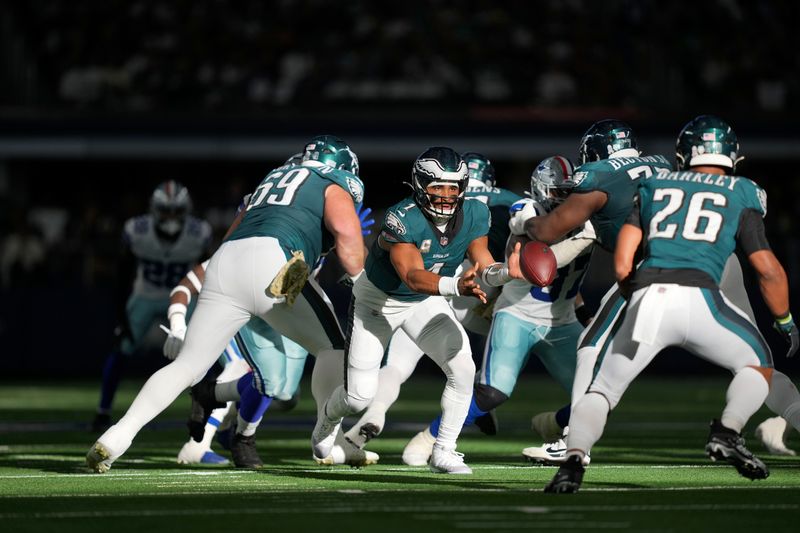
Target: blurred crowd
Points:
(242, 55)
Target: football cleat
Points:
(418, 450)
(244, 453)
(448, 462)
(551, 453)
(324, 436)
(100, 423)
(194, 453)
(344, 452)
(546, 426)
(487, 423)
(203, 402)
(771, 433)
(724, 444)
(99, 458)
(569, 477)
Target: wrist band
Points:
(785, 319)
(194, 280)
(448, 286)
(185, 290)
(176, 308)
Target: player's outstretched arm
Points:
(492, 272)
(408, 263)
(571, 214)
(179, 300)
(342, 221)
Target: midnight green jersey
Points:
(499, 202)
(442, 252)
(618, 178)
(289, 204)
(691, 220)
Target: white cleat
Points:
(771, 433)
(448, 462)
(324, 436)
(194, 453)
(418, 450)
(99, 458)
(551, 453)
(546, 426)
(345, 453)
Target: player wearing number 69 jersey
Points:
(261, 269)
(159, 248)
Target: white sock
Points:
(156, 395)
(587, 422)
(217, 415)
(246, 428)
(389, 382)
(745, 395)
(784, 400)
(327, 376)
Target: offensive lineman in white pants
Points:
(260, 270)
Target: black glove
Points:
(788, 330)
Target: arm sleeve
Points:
(752, 234)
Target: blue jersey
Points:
(442, 252)
(618, 179)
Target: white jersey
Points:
(161, 265)
(549, 306)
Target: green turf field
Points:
(648, 473)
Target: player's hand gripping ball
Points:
(538, 263)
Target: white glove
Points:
(175, 336)
(518, 218)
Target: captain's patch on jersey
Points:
(393, 223)
(356, 189)
(425, 247)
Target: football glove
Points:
(366, 223)
(175, 335)
(788, 330)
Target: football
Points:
(538, 263)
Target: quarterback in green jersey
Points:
(689, 222)
(295, 215)
(410, 268)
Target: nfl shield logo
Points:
(444, 240)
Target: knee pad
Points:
(461, 368)
(487, 397)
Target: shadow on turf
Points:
(356, 476)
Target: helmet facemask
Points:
(551, 181)
(170, 205)
(445, 168)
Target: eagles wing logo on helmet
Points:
(437, 166)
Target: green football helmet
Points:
(332, 151)
(606, 138)
(707, 140)
(479, 168)
(439, 165)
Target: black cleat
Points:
(244, 453)
(101, 422)
(569, 477)
(203, 402)
(487, 423)
(724, 444)
(369, 431)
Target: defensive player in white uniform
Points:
(409, 269)
(161, 246)
(261, 270)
